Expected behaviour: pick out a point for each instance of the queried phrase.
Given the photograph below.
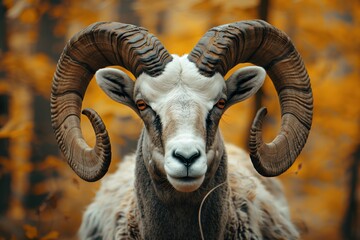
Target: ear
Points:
(244, 83)
(117, 85)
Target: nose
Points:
(186, 157)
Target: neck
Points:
(168, 214)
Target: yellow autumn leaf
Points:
(29, 15)
(51, 235)
(31, 232)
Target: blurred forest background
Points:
(41, 198)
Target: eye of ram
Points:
(141, 105)
(221, 103)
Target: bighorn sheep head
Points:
(181, 99)
(181, 109)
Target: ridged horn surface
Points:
(260, 43)
(99, 45)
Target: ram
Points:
(183, 182)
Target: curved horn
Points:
(97, 46)
(223, 47)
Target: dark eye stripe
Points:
(158, 124)
(209, 128)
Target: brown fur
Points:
(248, 206)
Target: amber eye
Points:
(141, 105)
(221, 103)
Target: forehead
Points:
(180, 80)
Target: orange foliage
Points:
(325, 33)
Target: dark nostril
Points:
(186, 159)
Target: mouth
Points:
(186, 179)
(186, 184)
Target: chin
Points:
(186, 184)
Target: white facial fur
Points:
(181, 118)
(182, 98)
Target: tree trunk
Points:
(5, 176)
(350, 226)
(44, 143)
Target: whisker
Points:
(201, 205)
